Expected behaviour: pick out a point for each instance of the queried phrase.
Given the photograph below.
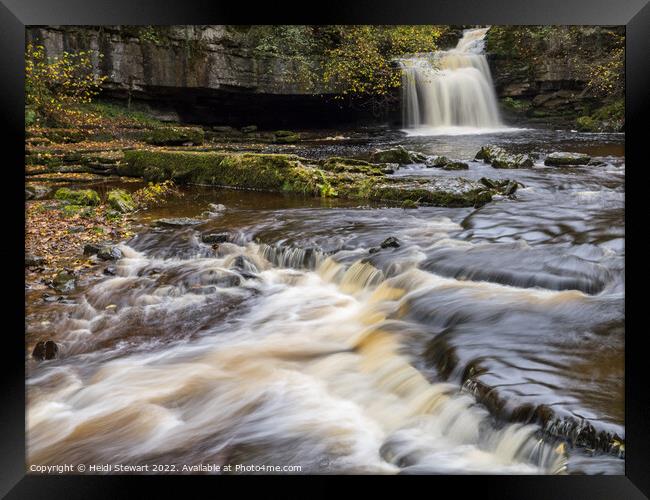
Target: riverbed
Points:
(300, 340)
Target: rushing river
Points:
(293, 344)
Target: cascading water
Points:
(451, 88)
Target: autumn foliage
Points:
(55, 88)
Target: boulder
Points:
(439, 162)
(45, 350)
(390, 242)
(109, 252)
(64, 282)
(121, 201)
(563, 158)
(500, 158)
(92, 248)
(78, 196)
(394, 155)
(215, 237)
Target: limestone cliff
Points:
(542, 73)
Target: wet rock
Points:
(203, 290)
(121, 201)
(214, 210)
(92, 248)
(564, 158)
(390, 242)
(488, 182)
(215, 237)
(45, 350)
(78, 196)
(500, 158)
(32, 260)
(177, 222)
(109, 252)
(242, 263)
(510, 188)
(439, 161)
(455, 165)
(394, 155)
(64, 282)
(418, 157)
(110, 271)
(248, 129)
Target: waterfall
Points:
(451, 88)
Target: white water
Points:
(312, 373)
(450, 92)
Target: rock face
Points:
(541, 73)
(207, 74)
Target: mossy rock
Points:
(121, 201)
(291, 174)
(394, 155)
(455, 165)
(285, 137)
(175, 136)
(560, 159)
(78, 196)
(499, 158)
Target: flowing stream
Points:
(450, 91)
(293, 344)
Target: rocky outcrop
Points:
(541, 73)
(284, 173)
(197, 74)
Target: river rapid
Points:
(292, 344)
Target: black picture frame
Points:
(16, 14)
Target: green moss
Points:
(174, 136)
(78, 196)
(292, 174)
(121, 201)
(71, 210)
(409, 204)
